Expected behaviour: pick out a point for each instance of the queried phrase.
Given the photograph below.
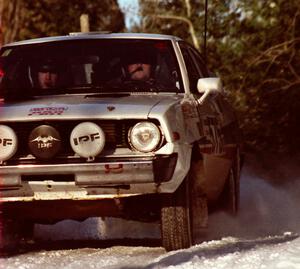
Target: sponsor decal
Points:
(213, 140)
(42, 111)
(189, 110)
(45, 141)
(113, 168)
(191, 120)
(86, 138)
(6, 141)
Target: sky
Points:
(130, 9)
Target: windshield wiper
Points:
(139, 86)
(107, 94)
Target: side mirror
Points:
(208, 87)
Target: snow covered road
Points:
(270, 252)
(264, 235)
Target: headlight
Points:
(144, 136)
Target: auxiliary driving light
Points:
(44, 142)
(8, 142)
(87, 139)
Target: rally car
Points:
(83, 134)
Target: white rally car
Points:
(80, 137)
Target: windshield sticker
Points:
(41, 111)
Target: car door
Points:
(227, 124)
(211, 139)
(216, 162)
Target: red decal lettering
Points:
(116, 169)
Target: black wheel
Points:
(231, 194)
(15, 232)
(175, 220)
(27, 231)
(232, 187)
(183, 214)
(9, 234)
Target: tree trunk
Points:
(11, 18)
(1, 18)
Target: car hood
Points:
(85, 107)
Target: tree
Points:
(1, 15)
(170, 17)
(272, 76)
(254, 46)
(11, 16)
(23, 19)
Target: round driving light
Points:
(87, 139)
(44, 142)
(144, 136)
(8, 142)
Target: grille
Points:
(115, 134)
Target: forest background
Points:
(253, 45)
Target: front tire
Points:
(14, 233)
(183, 214)
(175, 220)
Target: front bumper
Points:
(85, 180)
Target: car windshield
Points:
(89, 66)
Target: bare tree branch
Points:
(185, 20)
(188, 8)
(275, 50)
(271, 57)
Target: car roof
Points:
(93, 35)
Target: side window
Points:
(192, 70)
(199, 63)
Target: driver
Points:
(139, 66)
(139, 71)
